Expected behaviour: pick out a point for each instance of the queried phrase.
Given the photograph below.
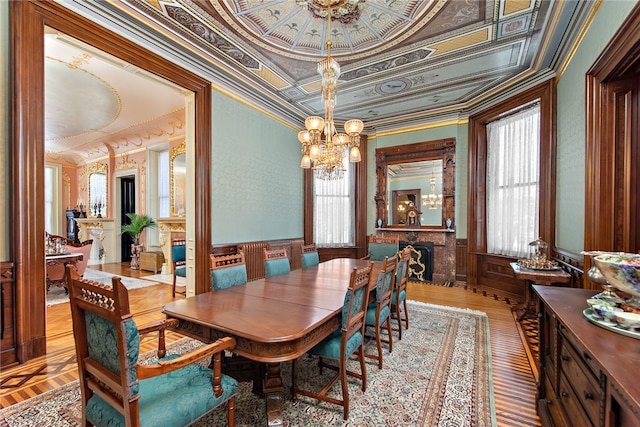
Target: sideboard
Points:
(589, 376)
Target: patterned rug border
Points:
(435, 402)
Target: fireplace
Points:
(421, 263)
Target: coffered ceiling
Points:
(404, 63)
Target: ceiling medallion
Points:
(343, 11)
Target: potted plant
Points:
(135, 228)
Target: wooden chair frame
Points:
(112, 303)
(178, 264)
(404, 256)
(359, 278)
(383, 299)
(224, 261)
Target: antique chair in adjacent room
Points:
(381, 247)
(399, 295)
(343, 343)
(379, 311)
(83, 248)
(228, 271)
(276, 262)
(310, 256)
(179, 261)
(116, 390)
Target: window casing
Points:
(512, 182)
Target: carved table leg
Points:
(273, 389)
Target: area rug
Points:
(58, 295)
(165, 278)
(438, 375)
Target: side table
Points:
(535, 277)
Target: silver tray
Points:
(588, 313)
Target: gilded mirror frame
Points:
(407, 153)
(103, 169)
(175, 152)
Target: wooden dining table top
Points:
(273, 319)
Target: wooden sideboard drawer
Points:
(571, 405)
(583, 381)
(151, 261)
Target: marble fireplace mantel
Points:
(444, 245)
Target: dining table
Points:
(273, 320)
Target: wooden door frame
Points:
(612, 124)
(27, 20)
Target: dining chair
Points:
(85, 249)
(228, 271)
(399, 294)
(276, 262)
(310, 256)
(381, 247)
(342, 344)
(117, 390)
(179, 262)
(379, 311)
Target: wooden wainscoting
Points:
(461, 260)
(495, 272)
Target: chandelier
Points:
(432, 200)
(344, 11)
(323, 147)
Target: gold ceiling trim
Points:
(455, 122)
(466, 40)
(515, 6)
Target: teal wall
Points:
(571, 102)
(457, 131)
(257, 182)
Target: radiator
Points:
(254, 257)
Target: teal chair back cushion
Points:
(158, 405)
(102, 340)
(275, 267)
(179, 253)
(378, 251)
(401, 271)
(223, 278)
(310, 259)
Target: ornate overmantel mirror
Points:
(178, 180)
(97, 190)
(419, 176)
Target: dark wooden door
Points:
(127, 205)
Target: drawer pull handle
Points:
(564, 394)
(588, 396)
(586, 356)
(565, 357)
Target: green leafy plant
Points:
(138, 224)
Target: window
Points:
(49, 199)
(333, 209)
(513, 182)
(163, 184)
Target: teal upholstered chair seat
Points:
(310, 256)
(228, 277)
(172, 391)
(158, 404)
(378, 314)
(178, 261)
(276, 262)
(343, 343)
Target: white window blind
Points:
(49, 199)
(513, 191)
(333, 210)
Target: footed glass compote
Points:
(622, 270)
(595, 275)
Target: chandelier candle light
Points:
(326, 156)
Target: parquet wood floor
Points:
(514, 384)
